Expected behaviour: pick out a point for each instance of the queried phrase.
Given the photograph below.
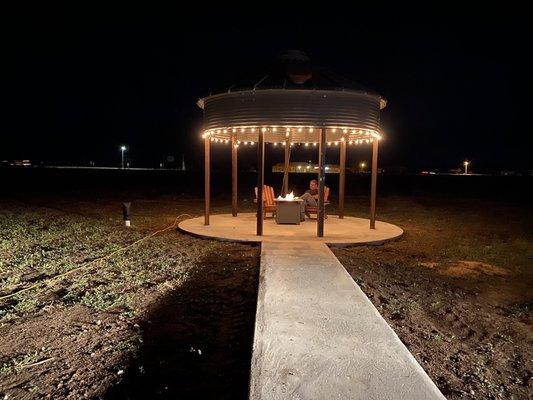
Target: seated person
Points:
(310, 198)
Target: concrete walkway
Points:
(317, 336)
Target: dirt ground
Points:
(172, 316)
(457, 291)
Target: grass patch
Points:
(103, 299)
(20, 361)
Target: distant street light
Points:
(122, 149)
(465, 163)
(362, 165)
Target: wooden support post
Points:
(374, 184)
(234, 185)
(260, 182)
(207, 179)
(342, 178)
(321, 179)
(285, 188)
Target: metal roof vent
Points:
(296, 65)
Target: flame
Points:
(288, 197)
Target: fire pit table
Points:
(288, 211)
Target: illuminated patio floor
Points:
(337, 231)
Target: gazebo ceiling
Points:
(293, 103)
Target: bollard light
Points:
(126, 213)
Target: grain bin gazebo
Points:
(295, 103)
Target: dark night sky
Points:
(78, 83)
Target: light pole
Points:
(362, 165)
(122, 150)
(465, 163)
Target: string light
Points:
(349, 135)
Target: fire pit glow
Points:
(288, 197)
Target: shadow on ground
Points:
(197, 341)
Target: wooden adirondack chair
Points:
(314, 210)
(269, 205)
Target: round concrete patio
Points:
(346, 231)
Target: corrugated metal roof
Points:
(294, 96)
